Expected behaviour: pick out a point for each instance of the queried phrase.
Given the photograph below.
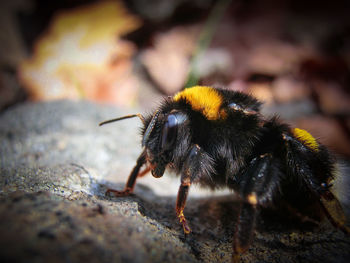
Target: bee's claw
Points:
(187, 229)
(185, 226)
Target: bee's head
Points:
(163, 133)
(165, 138)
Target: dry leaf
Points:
(332, 97)
(168, 63)
(80, 56)
(287, 89)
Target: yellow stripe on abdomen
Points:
(203, 99)
(306, 138)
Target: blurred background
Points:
(293, 55)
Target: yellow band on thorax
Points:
(203, 99)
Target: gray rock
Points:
(55, 165)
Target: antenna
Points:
(123, 118)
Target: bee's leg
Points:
(180, 205)
(258, 185)
(244, 230)
(130, 184)
(191, 170)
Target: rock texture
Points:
(55, 165)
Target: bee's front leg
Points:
(130, 184)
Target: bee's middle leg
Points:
(257, 188)
(189, 173)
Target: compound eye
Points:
(169, 132)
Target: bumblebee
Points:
(218, 138)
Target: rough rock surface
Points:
(55, 164)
